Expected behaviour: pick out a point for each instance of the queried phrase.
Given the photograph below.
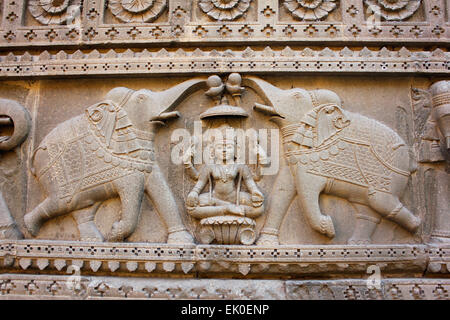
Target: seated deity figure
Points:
(225, 178)
(225, 205)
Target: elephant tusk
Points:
(157, 122)
(268, 110)
(166, 116)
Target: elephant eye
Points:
(142, 97)
(96, 116)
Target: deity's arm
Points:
(191, 171)
(203, 179)
(248, 180)
(200, 212)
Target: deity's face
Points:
(224, 151)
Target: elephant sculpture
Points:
(109, 152)
(333, 151)
(18, 119)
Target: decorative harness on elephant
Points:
(341, 145)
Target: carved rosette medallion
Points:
(137, 10)
(310, 9)
(224, 9)
(54, 11)
(394, 9)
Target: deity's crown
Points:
(223, 134)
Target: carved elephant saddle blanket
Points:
(94, 148)
(337, 144)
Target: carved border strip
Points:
(249, 60)
(389, 289)
(182, 25)
(15, 286)
(439, 256)
(163, 258)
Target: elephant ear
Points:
(331, 119)
(107, 117)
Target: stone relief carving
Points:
(394, 9)
(67, 42)
(337, 152)
(54, 11)
(227, 212)
(426, 130)
(432, 114)
(440, 93)
(252, 26)
(109, 152)
(15, 116)
(137, 10)
(432, 122)
(310, 10)
(224, 10)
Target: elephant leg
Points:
(86, 225)
(390, 207)
(282, 195)
(309, 188)
(162, 198)
(366, 222)
(47, 209)
(130, 190)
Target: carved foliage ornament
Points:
(224, 9)
(137, 10)
(310, 9)
(54, 11)
(394, 9)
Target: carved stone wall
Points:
(343, 189)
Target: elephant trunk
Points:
(168, 99)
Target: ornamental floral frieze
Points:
(310, 10)
(132, 11)
(52, 23)
(55, 12)
(225, 10)
(394, 10)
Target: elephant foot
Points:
(10, 232)
(405, 218)
(364, 228)
(180, 237)
(266, 239)
(439, 240)
(33, 223)
(89, 232)
(117, 232)
(327, 226)
(415, 224)
(352, 241)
